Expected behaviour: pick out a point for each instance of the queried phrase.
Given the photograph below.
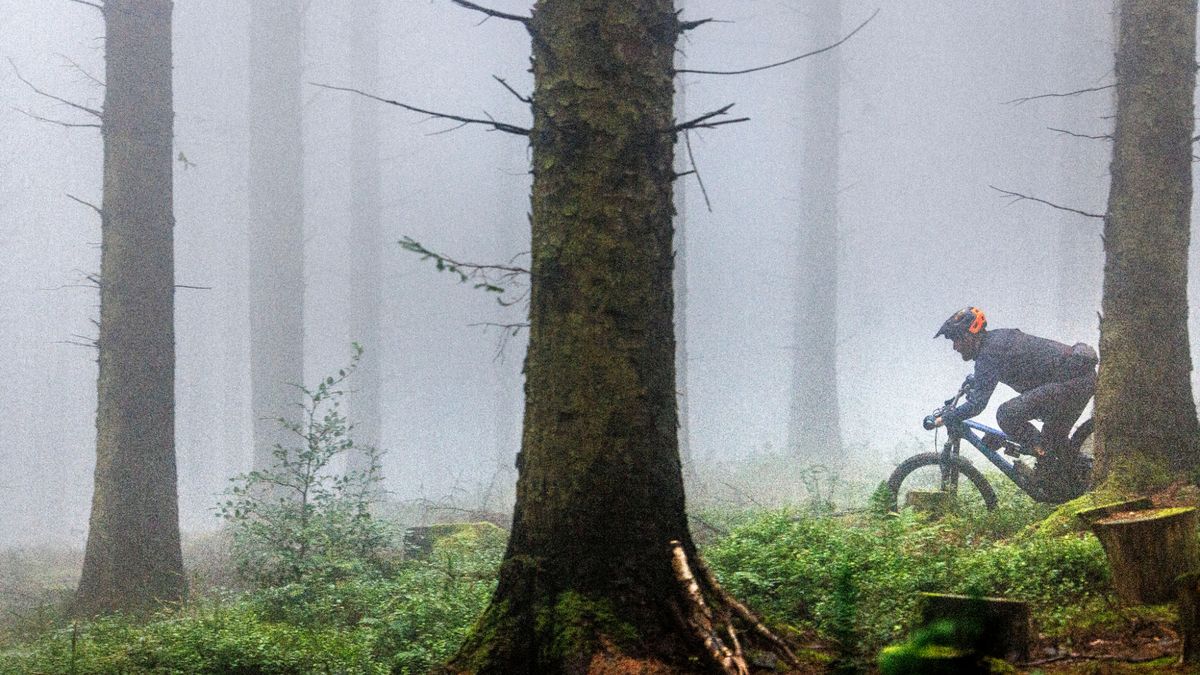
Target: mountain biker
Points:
(1054, 381)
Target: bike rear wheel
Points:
(913, 474)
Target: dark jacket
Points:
(1023, 362)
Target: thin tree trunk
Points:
(1145, 411)
(681, 297)
(276, 174)
(814, 430)
(133, 560)
(366, 235)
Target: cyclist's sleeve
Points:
(987, 376)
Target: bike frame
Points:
(965, 430)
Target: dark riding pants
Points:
(1058, 405)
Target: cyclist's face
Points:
(966, 345)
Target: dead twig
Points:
(520, 97)
(687, 142)
(702, 122)
(1097, 137)
(98, 6)
(786, 61)
(90, 205)
(1016, 197)
(50, 96)
(493, 13)
(1026, 99)
(498, 126)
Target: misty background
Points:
(925, 130)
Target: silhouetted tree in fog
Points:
(133, 560)
(1145, 411)
(365, 234)
(814, 430)
(276, 259)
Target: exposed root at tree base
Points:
(714, 625)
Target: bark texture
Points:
(814, 431)
(133, 560)
(588, 577)
(276, 172)
(1145, 413)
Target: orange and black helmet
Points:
(969, 320)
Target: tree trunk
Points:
(366, 236)
(681, 296)
(1145, 414)
(814, 432)
(598, 562)
(276, 257)
(133, 560)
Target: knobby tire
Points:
(925, 459)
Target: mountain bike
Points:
(1058, 478)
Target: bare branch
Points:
(61, 123)
(498, 126)
(74, 64)
(99, 7)
(685, 26)
(520, 97)
(195, 288)
(1019, 101)
(1099, 137)
(1016, 197)
(34, 87)
(90, 205)
(702, 122)
(687, 141)
(492, 13)
(785, 62)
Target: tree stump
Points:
(1147, 550)
(996, 627)
(1187, 591)
(934, 503)
(1089, 516)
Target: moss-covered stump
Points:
(1147, 550)
(933, 503)
(1187, 589)
(996, 627)
(419, 541)
(1088, 516)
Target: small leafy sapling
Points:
(300, 519)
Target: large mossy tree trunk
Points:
(814, 429)
(276, 187)
(133, 560)
(1145, 413)
(593, 574)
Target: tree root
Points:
(702, 619)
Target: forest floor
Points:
(842, 583)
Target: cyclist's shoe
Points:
(993, 441)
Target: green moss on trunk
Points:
(1145, 411)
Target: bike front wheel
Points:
(924, 472)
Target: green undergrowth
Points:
(854, 578)
(404, 622)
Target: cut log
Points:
(933, 503)
(996, 627)
(1147, 550)
(1089, 516)
(1187, 590)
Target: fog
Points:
(927, 127)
